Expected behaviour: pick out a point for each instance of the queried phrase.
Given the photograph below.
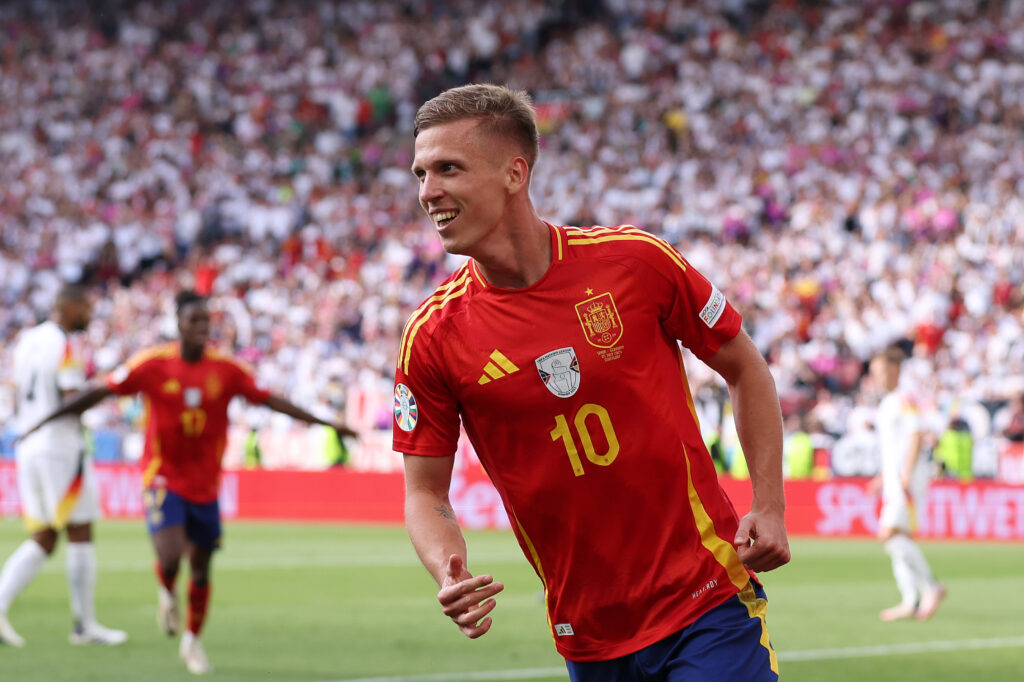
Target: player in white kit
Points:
(55, 479)
(904, 481)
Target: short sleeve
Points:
(130, 377)
(695, 311)
(247, 386)
(426, 415)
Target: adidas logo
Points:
(499, 367)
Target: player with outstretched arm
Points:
(187, 387)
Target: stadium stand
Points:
(852, 172)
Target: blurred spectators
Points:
(852, 172)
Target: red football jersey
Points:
(573, 393)
(186, 414)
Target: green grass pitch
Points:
(327, 603)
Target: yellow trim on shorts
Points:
(34, 525)
(757, 607)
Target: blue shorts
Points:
(165, 509)
(729, 642)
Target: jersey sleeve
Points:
(426, 415)
(133, 376)
(693, 309)
(247, 386)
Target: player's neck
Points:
(519, 258)
(192, 354)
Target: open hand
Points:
(467, 600)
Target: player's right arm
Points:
(437, 537)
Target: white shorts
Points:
(45, 482)
(898, 511)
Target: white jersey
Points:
(46, 363)
(897, 423)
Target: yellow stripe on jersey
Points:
(166, 350)
(724, 552)
(474, 268)
(686, 387)
(533, 552)
(540, 570)
(558, 240)
(221, 356)
(155, 452)
(758, 608)
(457, 287)
(600, 235)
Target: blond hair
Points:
(501, 110)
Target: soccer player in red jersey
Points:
(558, 350)
(187, 388)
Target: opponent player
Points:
(904, 481)
(55, 478)
(187, 387)
(556, 348)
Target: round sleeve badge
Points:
(406, 411)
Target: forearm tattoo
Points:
(446, 512)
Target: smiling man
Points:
(557, 349)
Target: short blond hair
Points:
(501, 110)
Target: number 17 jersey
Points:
(573, 394)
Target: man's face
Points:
(78, 314)
(463, 175)
(194, 324)
(886, 374)
(74, 314)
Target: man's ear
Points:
(517, 176)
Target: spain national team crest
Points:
(214, 386)
(600, 320)
(406, 411)
(560, 371)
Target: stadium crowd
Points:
(850, 174)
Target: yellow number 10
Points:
(562, 431)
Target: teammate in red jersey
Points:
(187, 388)
(557, 348)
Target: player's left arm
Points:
(280, 404)
(761, 540)
(914, 453)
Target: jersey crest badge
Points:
(406, 411)
(600, 319)
(560, 371)
(214, 386)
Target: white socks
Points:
(910, 568)
(81, 567)
(19, 570)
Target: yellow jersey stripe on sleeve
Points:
(420, 310)
(430, 306)
(166, 350)
(609, 235)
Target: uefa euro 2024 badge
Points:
(406, 412)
